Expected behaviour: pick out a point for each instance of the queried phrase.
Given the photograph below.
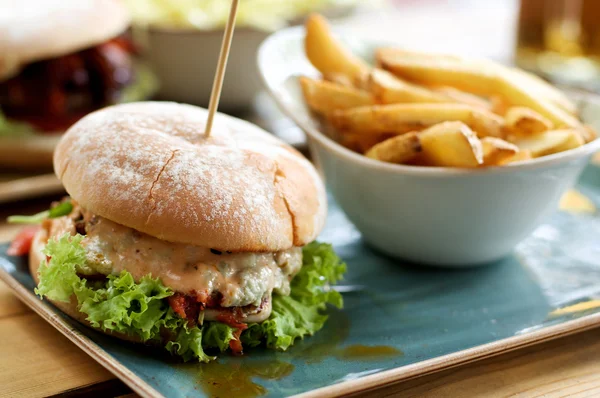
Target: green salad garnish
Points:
(61, 209)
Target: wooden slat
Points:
(10, 305)
(565, 367)
(37, 361)
(30, 187)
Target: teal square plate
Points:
(399, 320)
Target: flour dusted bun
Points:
(31, 30)
(149, 167)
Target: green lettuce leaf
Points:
(61, 209)
(122, 305)
(301, 313)
(59, 279)
(217, 335)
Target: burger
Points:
(171, 238)
(60, 60)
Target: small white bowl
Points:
(438, 216)
(185, 61)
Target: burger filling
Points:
(205, 280)
(52, 94)
(189, 299)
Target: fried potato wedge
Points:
(451, 144)
(403, 118)
(362, 143)
(325, 97)
(496, 151)
(499, 105)
(550, 142)
(474, 76)
(389, 89)
(522, 155)
(525, 121)
(399, 149)
(328, 54)
(544, 89)
(463, 97)
(339, 79)
(521, 77)
(588, 133)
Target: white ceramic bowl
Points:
(185, 63)
(437, 216)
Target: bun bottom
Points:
(36, 258)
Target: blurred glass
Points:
(560, 40)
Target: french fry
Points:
(479, 77)
(403, 118)
(339, 79)
(496, 151)
(550, 142)
(543, 89)
(328, 54)
(523, 78)
(361, 143)
(524, 121)
(521, 156)
(451, 144)
(389, 89)
(325, 97)
(399, 149)
(588, 133)
(464, 98)
(499, 105)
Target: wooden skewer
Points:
(215, 94)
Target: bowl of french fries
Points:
(437, 159)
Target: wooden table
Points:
(36, 360)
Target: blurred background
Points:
(178, 41)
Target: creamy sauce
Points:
(242, 278)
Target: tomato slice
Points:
(21, 244)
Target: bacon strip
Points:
(188, 306)
(235, 344)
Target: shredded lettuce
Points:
(120, 304)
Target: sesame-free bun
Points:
(149, 166)
(32, 30)
(36, 259)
